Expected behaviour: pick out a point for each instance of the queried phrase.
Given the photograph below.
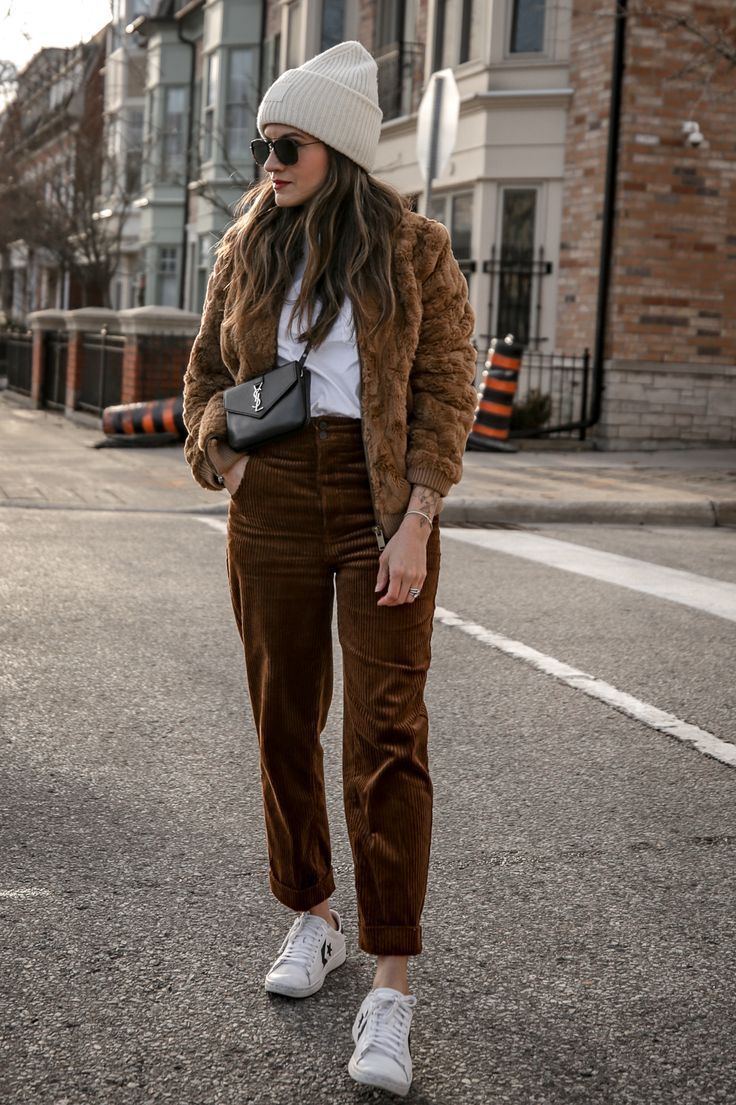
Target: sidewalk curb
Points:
(482, 512)
(486, 512)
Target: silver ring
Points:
(415, 591)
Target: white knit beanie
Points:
(333, 96)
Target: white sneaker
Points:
(311, 950)
(382, 1035)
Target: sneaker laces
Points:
(301, 943)
(386, 1026)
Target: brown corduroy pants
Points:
(299, 534)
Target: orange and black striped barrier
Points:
(158, 416)
(495, 402)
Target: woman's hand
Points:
(234, 475)
(403, 563)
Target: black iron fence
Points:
(553, 395)
(101, 378)
(18, 359)
(54, 370)
(400, 77)
(515, 301)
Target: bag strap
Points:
(303, 357)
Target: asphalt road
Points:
(579, 925)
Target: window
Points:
(212, 72)
(167, 277)
(456, 212)
(134, 151)
(242, 100)
(461, 225)
(173, 140)
(527, 26)
(518, 226)
(149, 142)
(333, 23)
(458, 32)
(400, 61)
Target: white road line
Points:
(25, 892)
(650, 715)
(216, 523)
(710, 595)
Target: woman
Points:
(348, 506)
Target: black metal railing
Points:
(515, 300)
(54, 370)
(101, 378)
(400, 78)
(19, 358)
(553, 395)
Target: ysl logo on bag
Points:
(257, 396)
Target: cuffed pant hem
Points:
(390, 939)
(303, 899)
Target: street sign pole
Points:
(433, 141)
(437, 121)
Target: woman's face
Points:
(296, 184)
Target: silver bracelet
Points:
(420, 512)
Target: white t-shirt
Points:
(335, 367)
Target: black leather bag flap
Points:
(256, 397)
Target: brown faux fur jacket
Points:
(417, 390)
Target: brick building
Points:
(669, 346)
(49, 136)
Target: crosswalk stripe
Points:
(713, 596)
(652, 716)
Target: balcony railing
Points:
(400, 78)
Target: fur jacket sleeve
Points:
(205, 379)
(442, 376)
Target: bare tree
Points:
(50, 191)
(67, 223)
(705, 35)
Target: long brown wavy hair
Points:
(347, 228)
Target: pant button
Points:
(323, 434)
(322, 425)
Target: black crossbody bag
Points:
(271, 405)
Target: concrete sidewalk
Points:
(48, 461)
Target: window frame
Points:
(173, 164)
(164, 273)
(512, 7)
(211, 85)
(326, 44)
(538, 189)
(249, 128)
(448, 199)
(464, 42)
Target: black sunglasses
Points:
(286, 150)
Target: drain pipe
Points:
(192, 44)
(609, 208)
